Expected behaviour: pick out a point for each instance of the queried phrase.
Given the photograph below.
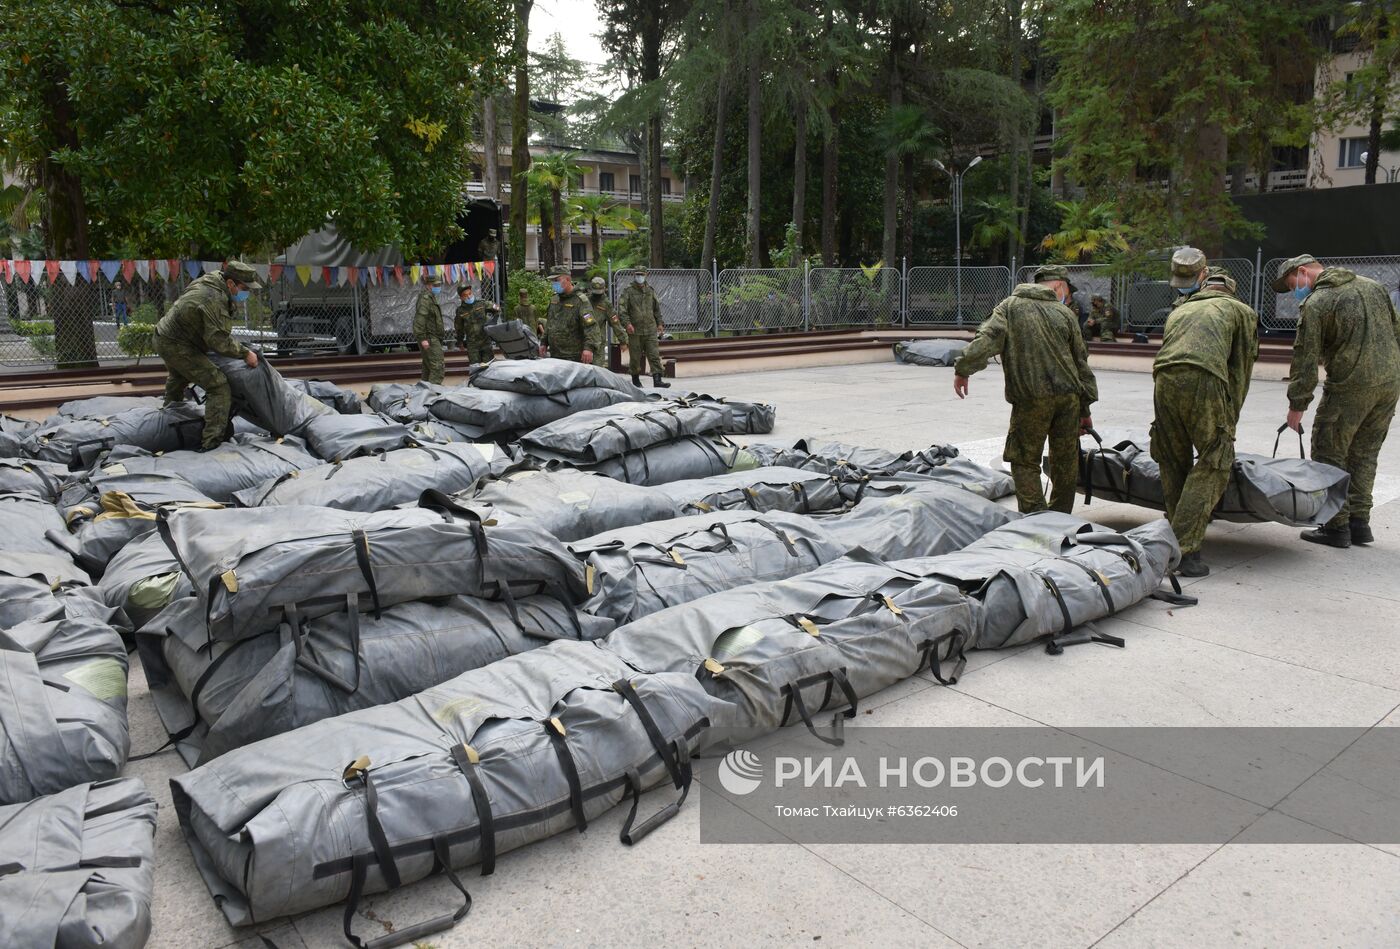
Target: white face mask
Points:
(640, 278)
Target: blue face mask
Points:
(469, 300)
(240, 296)
(436, 290)
(558, 287)
(1187, 291)
(1301, 293)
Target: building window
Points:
(606, 181)
(1350, 153)
(634, 184)
(503, 172)
(580, 253)
(475, 172)
(665, 185)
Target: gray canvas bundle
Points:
(597, 435)
(251, 567)
(639, 570)
(957, 472)
(142, 579)
(379, 482)
(41, 480)
(334, 397)
(238, 464)
(105, 406)
(77, 868)
(63, 705)
(78, 441)
(689, 458)
(758, 489)
(492, 760)
(214, 700)
(35, 586)
(567, 504)
(340, 437)
(517, 341)
(13, 432)
(838, 457)
(929, 352)
(925, 520)
(29, 525)
(1292, 491)
(123, 508)
(498, 410)
(403, 402)
(551, 377)
(440, 432)
(262, 396)
(744, 418)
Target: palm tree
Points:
(557, 174)
(995, 221)
(1085, 230)
(598, 212)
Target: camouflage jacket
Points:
(1215, 332)
(525, 313)
(427, 317)
(640, 307)
(1041, 348)
(1350, 327)
(202, 318)
(475, 315)
(605, 311)
(571, 326)
(1104, 316)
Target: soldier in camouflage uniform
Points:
(639, 311)
(1048, 383)
(470, 323)
(574, 333)
(199, 322)
(602, 306)
(1349, 325)
(1200, 379)
(1102, 321)
(489, 247)
(427, 328)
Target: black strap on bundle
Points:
(361, 541)
(1089, 633)
(442, 863)
(663, 748)
(780, 534)
(957, 651)
(792, 699)
(632, 834)
(163, 529)
(1175, 596)
(555, 730)
(485, 822)
(801, 490)
(1064, 607)
(304, 660)
(1279, 434)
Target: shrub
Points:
(43, 345)
(145, 314)
(138, 339)
(33, 328)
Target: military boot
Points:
(1192, 565)
(636, 379)
(657, 383)
(1339, 537)
(1361, 532)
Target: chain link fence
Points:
(687, 297)
(1278, 312)
(931, 294)
(852, 296)
(761, 301)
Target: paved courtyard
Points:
(1286, 634)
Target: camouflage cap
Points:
(1219, 275)
(1187, 264)
(524, 291)
(464, 288)
(490, 232)
(243, 273)
(1054, 272)
(598, 283)
(431, 278)
(560, 271)
(1287, 267)
(642, 270)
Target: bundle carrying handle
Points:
(1279, 435)
(1088, 633)
(633, 834)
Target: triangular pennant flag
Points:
(398, 273)
(326, 276)
(172, 267)
(128, 270)
(23, 269)
(5, 271)
(110, 268)
(413, 274)
(354, 275)
(51, 268)
(211, 265)
(304, 274)
(490, 266)
(90, 271)
(192, 268)
(143, 269)
(262, 271)
(69, 269)
(274, 273)
(158, 271)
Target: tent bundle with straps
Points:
(686, 458)
(41, 480)
(262, 396)
(13, 433)
(77, 442)
(340, 437)
(240, 463)
(63, 705)
(77, 867)
(542, 742)
(332, 396)
(597, 435)
(929, 352)
(105, 406)
(30, 525)
(758, 489)
(115, 509)
(441, 432)
(141, 580)
(743, 418)
(216, 698)
(252, 568)
(1292, 491)
(379, 482)
(517, 341)
(859, 468)
(498, 412)
(403, 402)
(36, 585)
(552, 377)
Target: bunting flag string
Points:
(304, 274)
(172, 268)
(192, 269)
(354, 276)
(24, 270)
(69, 269)
(327, 276)
(51, 268)
(110, 268)
(143, 270)
(129, 270)
(274, 273)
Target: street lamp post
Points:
(957, 179)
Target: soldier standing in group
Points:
(1048, 383)
(574, 333)
(1102, 321)
(470, 324)
(489, 247)
(200, 322)
(639, 312)
(427, 328)
(525, 312)
(1200, 379)
(1349, 325)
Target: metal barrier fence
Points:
(687, 297)
(931, 294)
(761, 301)
(852, 296)
(1279, 311)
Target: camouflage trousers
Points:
(1348, 433)
(1056, 419)
(1193, 443)
(432, 362)
(474, 340)
(185, 365)
(643, 344)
